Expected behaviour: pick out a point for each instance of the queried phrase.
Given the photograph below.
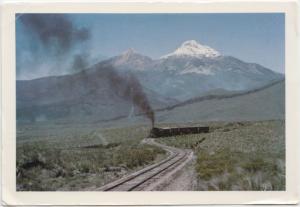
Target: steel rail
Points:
(157, 173)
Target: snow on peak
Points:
(194, 49)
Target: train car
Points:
(167, 132)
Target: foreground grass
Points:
(85, 160)
(238, 156)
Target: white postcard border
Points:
(8, 87)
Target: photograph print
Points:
(150, 102)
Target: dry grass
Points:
(238, 156)
(88, 159)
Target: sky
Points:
(257, 38)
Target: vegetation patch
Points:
(226, 170)
(81, 162)
(238, 156)
(210, 165)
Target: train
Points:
(173, 131)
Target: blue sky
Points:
(255, 38)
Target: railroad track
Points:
(153, 174)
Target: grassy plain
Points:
(233, 156)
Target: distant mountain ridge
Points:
(192, 70)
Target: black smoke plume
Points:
(128, 87)
(55, 30)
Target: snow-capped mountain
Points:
(193, 69)
(192, 48)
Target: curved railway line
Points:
(148, 178)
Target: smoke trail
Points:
(55, 31)
(128, 87)
(50, 43)
(80, 62)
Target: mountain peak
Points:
(131, 59)
(128, 55)
(193, 49)
(129, 52)
(192, 43)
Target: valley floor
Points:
(233, 156)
